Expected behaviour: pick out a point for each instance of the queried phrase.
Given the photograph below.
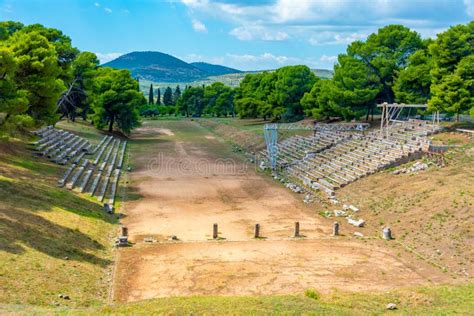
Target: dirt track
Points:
(185, 179)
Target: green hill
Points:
(160, 67)
(156, 66)
(165, 70)
(215, 70)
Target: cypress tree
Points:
(158, 96)
(168, 96)
(150, 95)
(177, 94)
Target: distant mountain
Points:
(215, 70)
(160, 67)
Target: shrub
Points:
(311, 293)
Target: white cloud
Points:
(198, 26)
(259, 62)
(108, 10)
(346, 20)
(195, 3)
(326, 58)
(262, 61)
(469, 4)
(246, 33)
(97, 4)
(106, 57)
(334, 37)
(218, 60)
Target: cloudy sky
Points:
(245, 34)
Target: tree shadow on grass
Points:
(18, 228)
(36, 196)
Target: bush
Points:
(311, 293)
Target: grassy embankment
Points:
(52, 241)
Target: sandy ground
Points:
(262, 267)
(184, 181)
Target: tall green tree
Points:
(158, 96)
(150, 95)
(75, 101)
(117, 100)
(292, 82)
(13, 102)
(385, 53)
(176, 94)
(413, 83)
(192, 102)
(219, 100)
(320, 103)
(355, 88)
(38, 73)
(249, 107)
(450, 48)
(455, 93)
(280, 93)
(66, 53)
(7, 28)
(168, 96)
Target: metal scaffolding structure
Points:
(391, 113)
(270, 132)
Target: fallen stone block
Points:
(357, 223)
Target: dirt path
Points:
(183, 181)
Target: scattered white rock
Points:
(391, 306)
(294, 187)
(308, 199)
(353, 208)
(399, 171)
(340, 213)
(417, 166)
(357, 223)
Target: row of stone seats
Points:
(297, 148)
(86, 174)
(359, 156)
(117, 172)
(110, 160)
(346, 162)
(60, 146)
(104, 169)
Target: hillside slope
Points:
(430, 212)
(215, 70)
(156, 66)
(52, 241)
(164, 70)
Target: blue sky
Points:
(246, 34)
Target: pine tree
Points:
(176, 95)
(168, 96)
(150, 95)
(158, 96)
